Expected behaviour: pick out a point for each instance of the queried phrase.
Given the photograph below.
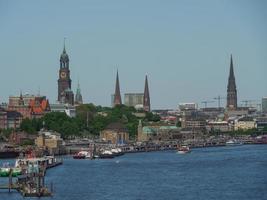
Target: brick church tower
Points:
(146, 101)
(117, 94)
(65, 94)
(231, 89)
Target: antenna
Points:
(38, 93)
(206, 103)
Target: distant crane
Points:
(248, 103)
(219, 98)
(206, 103)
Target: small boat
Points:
(6, 170)
(234, 142)
(183, 149)
(106, 154)
(81, 155)
(16, 171)
(117, 152)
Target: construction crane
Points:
(219, 98)
(206, 103)
(248, 103)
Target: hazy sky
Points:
(183, 46)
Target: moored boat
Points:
(106, 154)
(46, 162)
(8, 152)
(83, 155)
(183, 149)
(234, 142)
(6, 171)
(117, 152)
(16, 171)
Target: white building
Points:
(68, 109)
(245, 123)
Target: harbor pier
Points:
(31, 182)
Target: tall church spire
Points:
(64, 49)
(146, 101)
(78, 96)
(231, 88)
(231, 74)
(64, 58)
(117, 95)
(65, 94)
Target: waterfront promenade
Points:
(73, 147)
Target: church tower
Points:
(146, 101)
(78, 96)
(231, 89)
(117, 95)
(140, 132)
(65, 94)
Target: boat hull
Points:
(79, 156)
(183, 152)
(105, 156)
(8, 154)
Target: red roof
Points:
(39, 107)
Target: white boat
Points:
(183, 149)
(82, 155)
(234, 142)
(117, 152)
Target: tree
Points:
(152, 117)
(69, 128)
(29, 126)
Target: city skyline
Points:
(186, 61)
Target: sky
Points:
(184, 47)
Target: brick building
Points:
(29, 106)
(115, 133)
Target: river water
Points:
(221, 173)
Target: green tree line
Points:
(89, 118)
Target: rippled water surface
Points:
(209, 173)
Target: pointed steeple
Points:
(78, 96)
(231, 73)
(146, 101)
(64, 49)
(21, 101)
(117, 95)
(64, 58)
(231, 88)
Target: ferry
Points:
(46, 162)
(183, 149)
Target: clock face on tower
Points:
(63, 75)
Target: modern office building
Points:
(133, 99)
(264, 104)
